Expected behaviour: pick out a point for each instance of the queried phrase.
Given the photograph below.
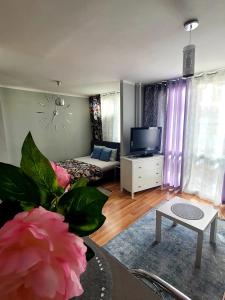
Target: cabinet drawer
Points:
(155, 165)
(139, 186)
(148, 177)
(145, 183)
(147, 173)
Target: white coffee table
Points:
(210, 217)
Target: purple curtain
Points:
(223, 191)
(176, 97)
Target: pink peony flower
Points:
(63, 177)
(39, 258)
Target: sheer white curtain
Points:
(204, 155)
(110, 110)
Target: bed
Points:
(90, 168)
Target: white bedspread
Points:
(104, 165)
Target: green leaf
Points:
(17, 186)
(79, 183)
(82, 208)
(35, 165)
(8, 210)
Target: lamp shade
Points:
(189, 60)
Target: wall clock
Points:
(55, 112)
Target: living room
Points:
(112, 158)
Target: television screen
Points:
(145, 139)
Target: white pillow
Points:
(113, 154)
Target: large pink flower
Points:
(63, 177)
(39, 258)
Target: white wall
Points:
(127, 99)
(18, 116)
(3, 144)
(139, 104)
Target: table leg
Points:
(158, 227)
(213, 230)
(199, 250)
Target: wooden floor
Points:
(121, 211)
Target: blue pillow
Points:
(96, 152)
(105, 154)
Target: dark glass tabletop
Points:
(107, 279)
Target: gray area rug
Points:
(174, 258)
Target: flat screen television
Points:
(145, 141)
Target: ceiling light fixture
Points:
(189, 50)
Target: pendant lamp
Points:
(189, 50)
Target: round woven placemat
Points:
(187, 211)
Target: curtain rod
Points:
(212, 72)
(110, 93)
(165, 81)
(200, 74)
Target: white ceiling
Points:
(91, 44)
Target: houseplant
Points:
(42, 222)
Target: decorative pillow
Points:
(113, 153)
(105, 154)
(96, 152)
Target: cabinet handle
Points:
(139, 177)
(157, 164)
(139, 167)
(139, 186)
(156, 182)
(157, 173)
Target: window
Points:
(110, 111)
(205, 138)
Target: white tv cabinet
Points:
(138, 174)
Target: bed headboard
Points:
(112, 145)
